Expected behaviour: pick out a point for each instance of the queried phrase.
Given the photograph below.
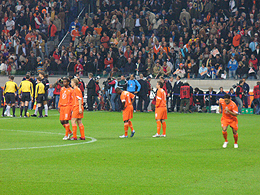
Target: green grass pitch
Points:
(190, 160)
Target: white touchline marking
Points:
(54, 146)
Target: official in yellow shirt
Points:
(26, 89)
(39, 95)
(9, 94)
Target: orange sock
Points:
(74, 129)
(225, 135)
(236, 138)
(126, 125)
(67, 128)
(70, 131)
(158, 127)
(164, 128)
(82, 132)
(131, 125)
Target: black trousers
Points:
(176, 102)
(90, 102)
(142, 98)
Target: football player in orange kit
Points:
(127, 99)
(229, 118)
(64, 107)
(160, 110)
(77, 110)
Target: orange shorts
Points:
(128, 113)
(75, 112)
(65, 113)
(232, 123)
(161, 113)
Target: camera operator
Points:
(113, 85)
(106, 94)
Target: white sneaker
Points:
(156, 135)
(123, 136)
(225, 144)
(66, 138)
(235, 145)
(163, 135)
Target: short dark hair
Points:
(11, 77)
(27, 76)
(160, 83)
(227, 96)
(66, 79)
(39, 79)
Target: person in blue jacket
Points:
(133, 86)
(232, 65)
(74, 24)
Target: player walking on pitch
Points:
(77, 110)
(65, 106)
(26, 89)
(127, 99)
(229, 118)
(160, 110)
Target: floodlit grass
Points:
(190, 160)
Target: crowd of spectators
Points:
(193, 39)
(29, 32)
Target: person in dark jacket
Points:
(142, 94)
(246, 89)
(91, 91)
(129, 67)
(198, 98)
(210, 97)
(168, 82)
(176, 94)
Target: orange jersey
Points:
(231, 106)
(65, 97)
(127, 98)
(160, 98)
(77, 95)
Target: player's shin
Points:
(82, 131)
(13, 108)
(164, 127)
(4, 109)
(131, 125)
(25, 110)
(236, 138)
(74, 129)
(46, 109)
(225, 134)
(126, 125)
(158, 127)
(40, 111)
(21, 111)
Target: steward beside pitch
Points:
(40, 95)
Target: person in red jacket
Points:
(108, 63)
(104, 40)
(254, 61)
(51, 31)
(56, 54)
(78, 68)
(257, 97)
(236, 39)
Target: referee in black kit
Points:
(9, 94)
